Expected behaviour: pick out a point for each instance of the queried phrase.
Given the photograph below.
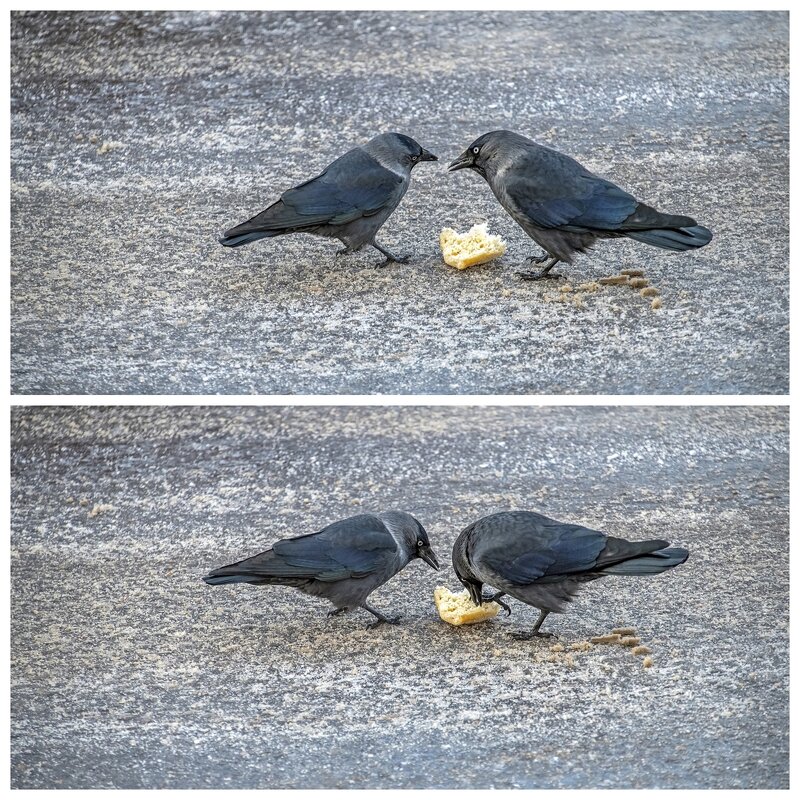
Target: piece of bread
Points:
(476, 246)
(458, 609)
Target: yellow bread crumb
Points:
(476, 246)
(638, 283)
(565, 288)
(629, 641)
(581, 646)
(613, 280)
(641, 650)
(656, 303)
(633, 273)
(650, 291)
(577, 301)
(647, 663)
(458, 609)
(624, 631)
(557, 648)
(591, 286)
(606, 638)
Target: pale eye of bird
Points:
(420, 543)
(414, 158)
(476, 150)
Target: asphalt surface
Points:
(136, 138)
(128, 672)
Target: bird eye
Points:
(420, 543)
(414, 158)
(476, 150)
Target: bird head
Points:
(398, 152)
(480, 155)
(423, 549)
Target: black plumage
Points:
(349, 200)
(344, 562)
(544, 563)
(563, 206)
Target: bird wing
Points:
(353, 186)
(524, 547)
(351, 548)
(555, 191)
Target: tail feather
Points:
(649, 564)
(677, 239)
(237, 240)
(217, 580)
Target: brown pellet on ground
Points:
(638, 283)
(650, 291)
(629, 641)
(647, 663)
(641, 650)
(633, 273)
(565, 288)
(591, 286)
(581, 646)
(628, 631)
(606, 638)
(557, 648)
(613, 280)
(656, 304)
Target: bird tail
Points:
(214, 579)
(649, 563)
(678, 239)
(231, 239)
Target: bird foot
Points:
(542, 259)
(538, 276)
(343, 252)
(336, 612)
(526, 636)
(395, 260)
(495, 598)
(381, 620)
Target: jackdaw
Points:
(349, 200)
(565, 208)
(544, 562)
(344, 562)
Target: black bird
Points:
(564, 207)
(344, 562)
(349, 200)
(544, 563)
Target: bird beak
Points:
(462, 162)
(427, 156)
(428, 556)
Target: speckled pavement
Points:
(137, 138)
(127, 671)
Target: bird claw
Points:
(495, 599)
(389, 620)
(542, 259)
(396, 260)
(538, 276)
(336, 612)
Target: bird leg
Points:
(535, 633)
(337, 611)
(380, 618)
(390, 256)
(495, 598)
(544, 272)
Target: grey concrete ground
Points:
(128, 671)
(119, 285)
